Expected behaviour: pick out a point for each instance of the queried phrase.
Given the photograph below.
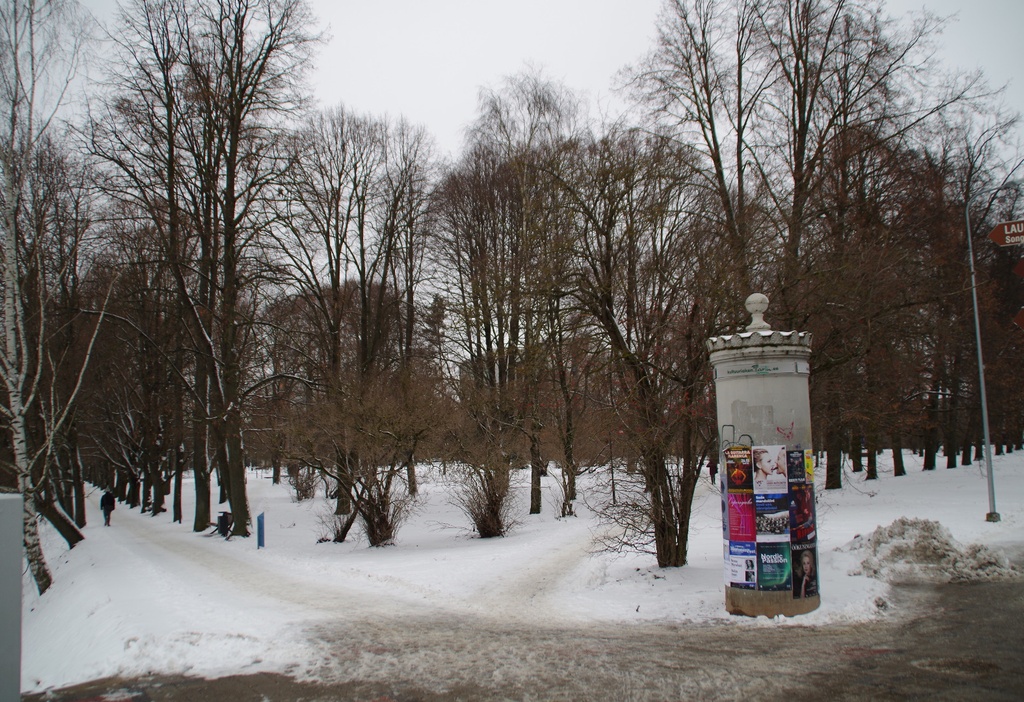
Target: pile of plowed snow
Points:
(922, 550)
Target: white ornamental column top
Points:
(756, 305)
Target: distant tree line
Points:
(205, 272)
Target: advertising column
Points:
(767, 481)
(12, 558)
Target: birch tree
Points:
(40, 51)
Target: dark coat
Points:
(107, 502)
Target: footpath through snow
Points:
(147, 596)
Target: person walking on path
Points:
(107, 506)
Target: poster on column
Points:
(772, 517)
(726, 564)
(742, 518)
(795, 466)
(805, 570)
(801, 513)
(770, 472)
(741, 564)
(773, 567)
(738, 471)
(725, 507)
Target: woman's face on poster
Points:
(766, 462)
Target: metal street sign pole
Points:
(993, 515)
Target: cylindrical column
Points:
(767, 476)
(12, 557)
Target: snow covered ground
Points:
(149, 596)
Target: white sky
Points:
(427, 59)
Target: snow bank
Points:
(924, 551)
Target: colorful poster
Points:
(773, 567)
(742, 564)
(801, 513)
(809, 465)
(726, 563)
(805, 570)
(725, 511)
(772, 517)
(742, 524)
(770, 469)
(795, 466)
(738, 470)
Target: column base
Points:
(758, 603)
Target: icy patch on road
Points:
(922, 550)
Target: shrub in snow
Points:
(334, 527)
(305, 480)
(484, 494)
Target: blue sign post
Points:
(260, 543)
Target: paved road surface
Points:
(958, 642)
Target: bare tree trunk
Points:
(236, 467)
(179, 469)
(275, 465)
(33, 547)
(931, 447)
(965, 448)
(833, 460)
(569, 470)
(670, 532)
(201, 473)
(79, 481)
(536, 471)
(898, 469)
(410, 473)
(949, 441)
(60, 521)
(930, 454)
(872, 457)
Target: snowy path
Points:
(962, 648)
(530, 594)
(147, 596)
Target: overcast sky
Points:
(428, 59)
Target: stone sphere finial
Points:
(756, 305)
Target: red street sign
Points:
(1008, 233)
(1019, 268)
(1019, 319)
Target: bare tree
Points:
(356, 203)
(140, 134)
(481, 250)
(40, 43)
(790, 105)
(644, 273)
(192, 139)
(522, 122)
